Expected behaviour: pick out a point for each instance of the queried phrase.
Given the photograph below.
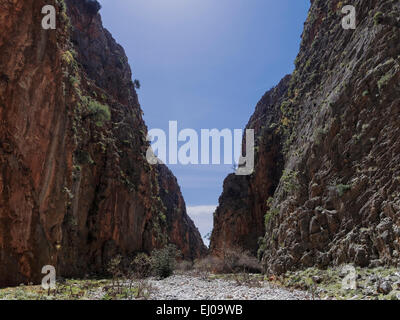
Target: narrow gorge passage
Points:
(84, 207)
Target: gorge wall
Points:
(75, 186)
(326, 185)
(238, 220)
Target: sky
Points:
(205, 64)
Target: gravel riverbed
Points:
(331, 284)
(189, 287)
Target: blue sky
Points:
(205, 64)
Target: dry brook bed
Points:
(371, 284)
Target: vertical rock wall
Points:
(75, 186)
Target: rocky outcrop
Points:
(75, 186)
(337, 199)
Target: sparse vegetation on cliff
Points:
(100, 112)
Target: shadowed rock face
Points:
(181, 229)
(92, 6)
(75, 186)
(336, 125)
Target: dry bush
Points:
(114, 268)
(208, 264)
(249, 263)
(203, 267)
(140, 267)
(184, 266)
(129, 283)
(237, 260)
(230, 261)
(245, 279)
(144, 289)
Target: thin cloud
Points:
(202, 216)
(201, 210)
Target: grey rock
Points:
(314, 226)
(373, 279)
(385, 287)
(375, 263)
(317, 279)
(361, 258)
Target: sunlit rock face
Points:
(75, 186)
(334, 194)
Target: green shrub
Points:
(378, 18)
(164, 261)
(262, 246)
(267, 218)
(83, 157)
(163, 217)
(285, 106)
(270, 200)
(114, 266)
(289, 180)
(384, 80)
(136, 84)
(270, 213)
(75, 81)
(342, 188)
(100, 112)
(69, 58)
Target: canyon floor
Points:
(371, 284)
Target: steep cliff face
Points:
(181, 229)
(75, 186)
(239, 218)
(337, 199)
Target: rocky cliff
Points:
(75, 186)
(238, 220)
(180, 227)
(326, 185)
